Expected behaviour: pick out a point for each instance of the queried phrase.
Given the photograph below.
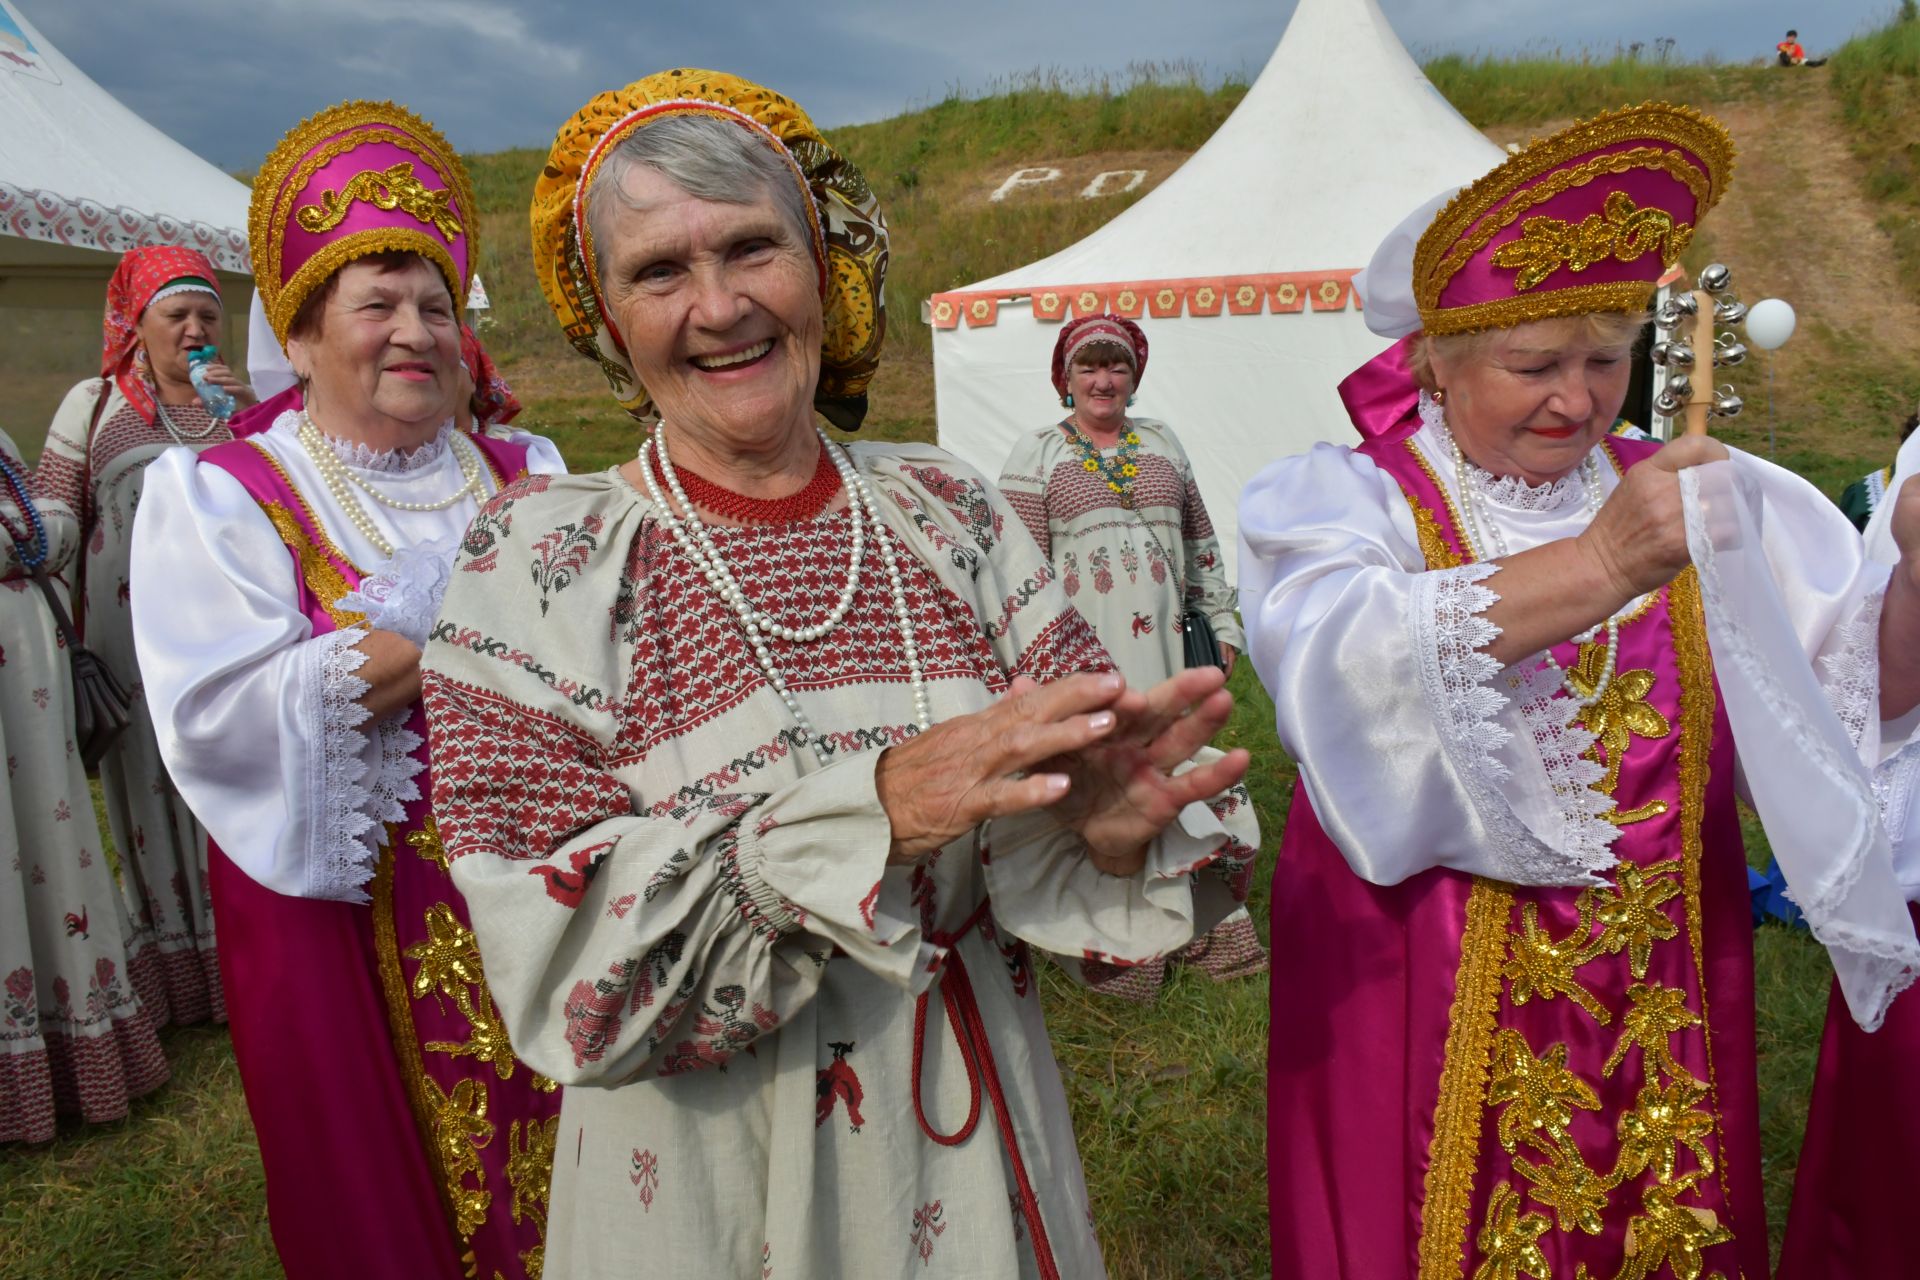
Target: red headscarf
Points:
(1114, 330)
(492, 398)
(142, 273)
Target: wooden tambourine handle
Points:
(1701, 401)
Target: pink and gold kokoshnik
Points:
(1584, 221)
(359, 178)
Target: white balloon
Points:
(1770, 323)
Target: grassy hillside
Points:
(1167, 1102)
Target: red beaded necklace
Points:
(795, 507)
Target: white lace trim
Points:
(1511, 492)
(404, 594)
(1561, 741)
(1853, 669)
(1824, 896)
(340, 857)
(1456, 674)
(1893, 787)
(393, 462)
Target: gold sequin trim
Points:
(1453, 1155)
(1506, 313)
(1621, 231)
(319, 560)
(1698, 699)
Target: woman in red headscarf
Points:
(162, 302)
(1112, 501)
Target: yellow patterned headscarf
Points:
(848, 232)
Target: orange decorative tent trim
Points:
(1283, 293)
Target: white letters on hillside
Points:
(1098, 187)
(1024, 178)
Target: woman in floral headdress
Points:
(1111, 500)
(762, 761)
(76, 1037)
(162, 302)
(283, 586)
(1511, 900)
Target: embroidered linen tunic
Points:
(1122, 565)
(378, 1075)
(1577, 1057)
(163, 849)
(805, 1064)
(74, 1036)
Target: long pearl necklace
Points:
(180, 435)
(1483, 535)
(697, 541)
(341, 483)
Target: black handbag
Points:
(1202, 645)
(101, 708)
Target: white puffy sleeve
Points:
(1417, 749)
(258, 720)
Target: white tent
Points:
(1239, 266)
(83, 179)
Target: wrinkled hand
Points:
(220, 375)
(1639, 539)
(392, 671)
(943, 783)
(1123, 791)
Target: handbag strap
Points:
(61, 618)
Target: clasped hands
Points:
(1097, 753)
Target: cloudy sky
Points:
(226, 77)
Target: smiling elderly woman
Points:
(283, 585)
(762, 761)
(1511, 896)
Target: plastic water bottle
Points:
(219, 401)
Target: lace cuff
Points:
(340, 854)
(403, 595)
(1568, 840)
(1852, 670)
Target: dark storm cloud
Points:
(226, 77)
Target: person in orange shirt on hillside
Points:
(1793, 54)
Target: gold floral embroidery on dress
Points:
(1668, 1234)
(426, 842)
(322, 577)
(1538, 1095)
(392, 188)
(1621, 714)
(1433, 543)
(460, 1130)
(1630, 911)
(1662, 1121)
(530, 1174)
(1543, 965)
(1624, 232)
(1510, 1240)
(1656, 1013)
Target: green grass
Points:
(1875, 77)
(1528, 90)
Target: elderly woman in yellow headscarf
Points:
(761, 761)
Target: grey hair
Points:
(709, 159)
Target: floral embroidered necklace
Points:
(1121, 472)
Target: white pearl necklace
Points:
(695, 539)
(341, 481)
(1482, 535)
(181, 435)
